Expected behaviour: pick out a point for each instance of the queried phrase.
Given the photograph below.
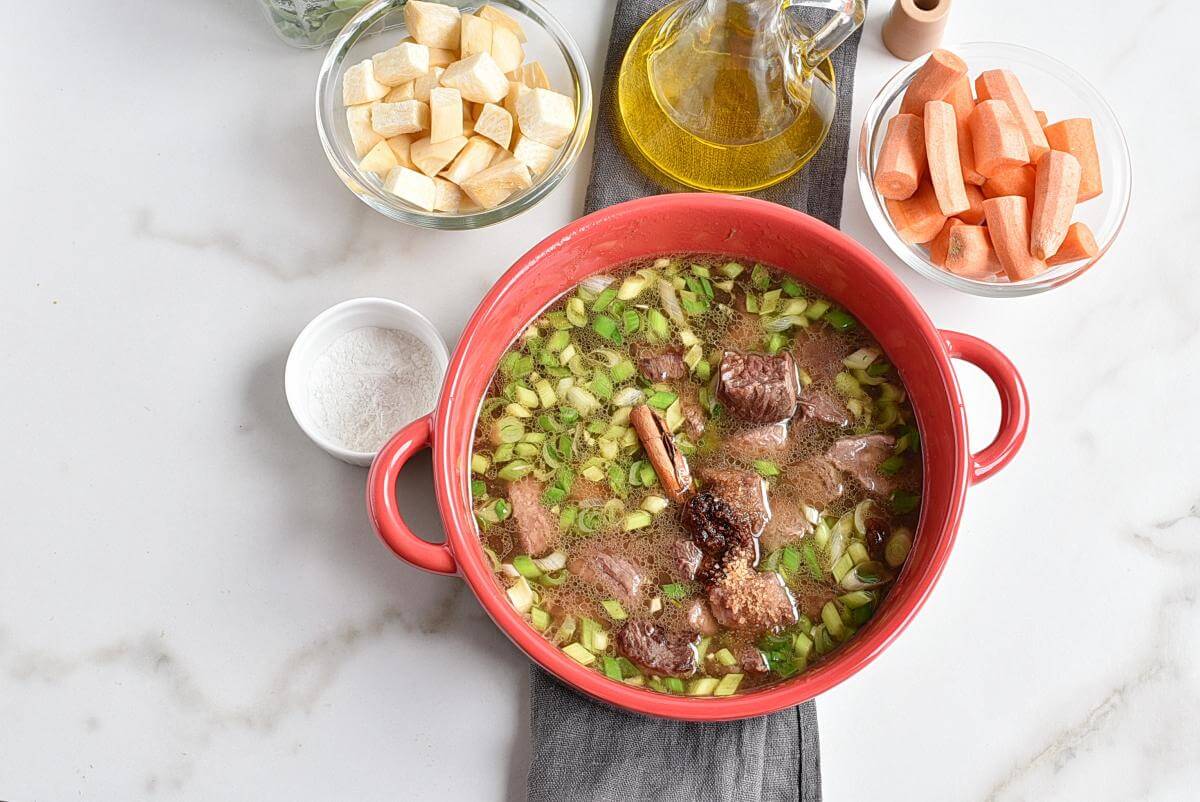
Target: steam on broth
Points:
(696, 475)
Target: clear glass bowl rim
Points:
(329, 108)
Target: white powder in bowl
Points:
(370, 383)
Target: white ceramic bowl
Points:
(331, 324)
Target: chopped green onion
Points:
(904, 502)
(662, 399)
(725, 657)
(631, 322)
(478, 488)
(622, 370)
(840, 319)
(604, 299)
(612, 669)
(792, 288)
(566, 518)
(526, 450)
(632, 287)
(675, 591)
(521, 595)
(842, 566)
(553, 579)
(658, 325)
(760, 277)
(509, 429)
(515, 470)
(856, 599)
(525, 397)
(895, 551)
(579, 654)
(558, 341)
(766, 468)
(601, 386)
(503, 453)
(789, 560)
(638, 519)
(732, 269)
(540, 619)
(576, 313)
(810, 558)
(892, 465)
(480, 463)
(525, 567)
(702, 686)
(654, 504)
(776, 343)
(673, 684)
(858, 553)
(728, 685)
(607, 328)
(769, 302)
(817, 309)
(545, 393)
(614, 609)
(877, 369)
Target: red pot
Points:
(750, 230)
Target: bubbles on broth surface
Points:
(811, 569)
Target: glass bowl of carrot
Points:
(1016, 182)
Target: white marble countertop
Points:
(193, 606)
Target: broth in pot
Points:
(696, 475)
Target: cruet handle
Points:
(848, 15)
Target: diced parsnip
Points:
(546, 116)
(468, 124)
(379, 159)
(447, 196)
(433, 24)
(401, 144)
(501, 155)
(405, 117)
(515, 90)
(493, 186)
(359, 84)
(423, 86)
(506, 49)
(476, 36)
(495, 123)
(411, 186)
(405, 62)
(532, 75)
(402, 92)
(364, 137)
(441, 57)
(501, 20)
(445, 114)
(473, 158)
(430, 157)
(477, 78)
(535, 155)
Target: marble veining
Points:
(193, 606)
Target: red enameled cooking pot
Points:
(750, 230)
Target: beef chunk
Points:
(759, 441)
(860, 456)
(655, 650)
(613, 576)
(816, 480)
(694, 420)
(699, 618)
(746, 600)
(745, 491)
(787, 524)
(687, 558)
(819, 352)
(716, 526)
(758, 387)
(537, 527)
(823, 406)
(660, 365)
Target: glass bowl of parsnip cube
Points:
(453, 114)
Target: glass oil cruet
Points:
(731, 95)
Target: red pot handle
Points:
(1014, 403)
(384, 510)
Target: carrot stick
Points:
(963, 101)
(969, 252)
(941, 148)
(997, 138)
(1004, 85)
(1008, 225)
(974, 215)
(1075, 136)
(935, 78)
(917, 219)
(1013, 181)
(1041, 118)
(1054, 194)
(902, 157)
(939, 244)
(1079, 244)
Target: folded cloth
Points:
(583, 751)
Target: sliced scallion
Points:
(662, 399)
(614, 609)
(728, 685)
(521, 595)
(579, 654)
(638, 519)
(539, 618)
(904, 502)
(515, 470)
(840, 319)
(480, 463)
(675, 591)
(654, 504)
(817, 309)
(673, 684)
(576, 312)
(702, 686)
(766, 468)
(725, 657)
(895, 551)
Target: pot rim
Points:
(451, 470)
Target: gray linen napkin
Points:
(583, 751)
